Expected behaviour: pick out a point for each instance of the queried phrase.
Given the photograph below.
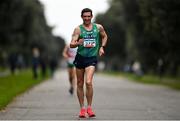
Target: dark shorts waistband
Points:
(82, 62)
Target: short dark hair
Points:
(86, 10)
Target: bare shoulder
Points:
(77, 30)
(76, 33)
(100, 27)
(67, 46)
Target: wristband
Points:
(103, 47)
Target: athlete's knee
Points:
(80, 84)
(89, 83)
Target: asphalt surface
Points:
(115, 98)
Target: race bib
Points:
(89, 44)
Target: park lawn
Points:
(172, 82)
(2, 69)
(13, 85)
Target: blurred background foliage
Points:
(147, 31)
(144, 31)
(23, 27)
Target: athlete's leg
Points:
(71, 74)
(89, 86)
(80, 84)
(74, 77)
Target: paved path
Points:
(115, 98)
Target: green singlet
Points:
(90, 45)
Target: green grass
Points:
(13, 85)
(172, 82)
(2, 69)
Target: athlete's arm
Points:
(75, 41)
(103, 35)
(103, 39)
(65, 52)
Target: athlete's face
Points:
(87, 17)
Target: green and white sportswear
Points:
(90, 46)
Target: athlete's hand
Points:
(101, 51)
(80, 41)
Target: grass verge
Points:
(172, 82)
(13, 85)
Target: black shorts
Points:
(81, 62)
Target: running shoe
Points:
(82, 113)
(90, 112)
(71, 90)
